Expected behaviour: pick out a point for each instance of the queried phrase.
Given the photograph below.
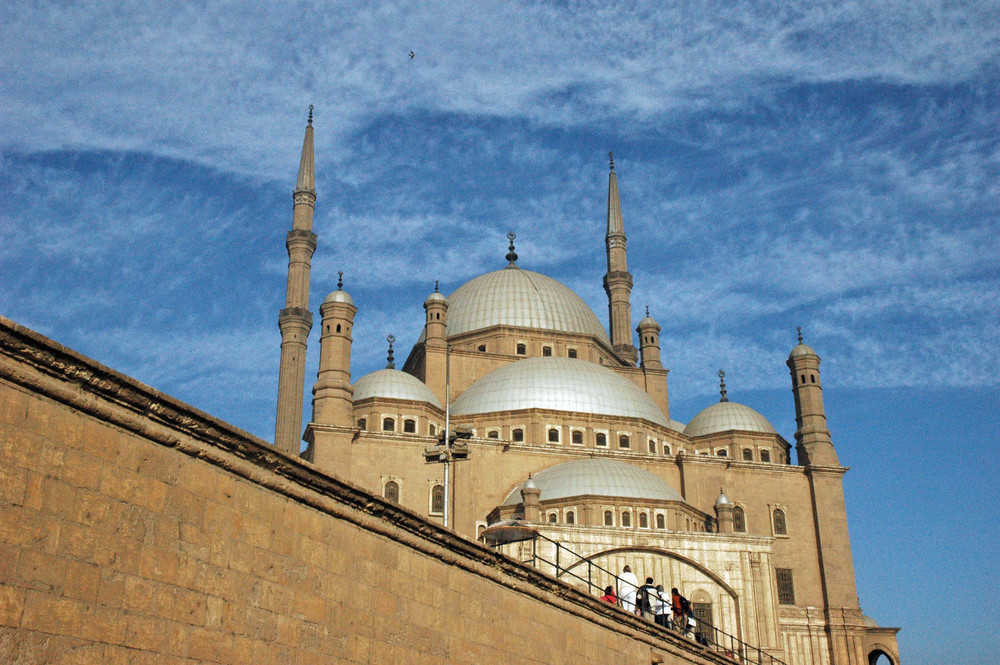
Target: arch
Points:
(362, 423)
(338, 327)
(546, 351)
(391, 491)
(601, 440)
(576, 437)
(661, 521)
(517, 434)
(609, 518)
(747, 455)
(643, 521)
(571, 353)
(521, 350)
(570, 517)
(765, 456)
(721, 583)
(624, 441)
(626, 518)
(739, 520)
(878, 651)
(553, 435)
(721, 452)
(388, 424)
(410, 426)
(553, 518)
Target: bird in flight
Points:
(411, 55)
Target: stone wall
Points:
(135, 529)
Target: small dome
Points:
(393, 384)
(648, 322)
(869, 622)
(725, 416)
(436, 296)
(597, 477)
(558, 384)
(802, 350)
(529, 484)
(723, 500)
(339, 296)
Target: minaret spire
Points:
(618, 281)
(295, 320)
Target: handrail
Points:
(708, 636)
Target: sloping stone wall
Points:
(136, 529)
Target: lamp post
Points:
(451, 446)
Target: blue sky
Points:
(829, 165)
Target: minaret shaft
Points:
(618, 281)
(295, 320)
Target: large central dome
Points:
(521, 298)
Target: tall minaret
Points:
(813, 442)
(295, 320)
(618, 281)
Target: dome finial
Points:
(722, 386)
(647, 310)
(511, 255)
(310, 115)
(435, 286)
(611, 158)
(799, 329)
(390, 360)
(340, 280)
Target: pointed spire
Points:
(390, 360)
(722, 386)
(436, 286)
(615, 224)
(511, 254)
(647, 310)
(340, 280)
(799, 329)
(307, 167)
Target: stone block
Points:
(49, 613)
(13, 482)
(11, 605)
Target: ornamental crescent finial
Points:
(611, 158)
(511, 254)
(722, 386)
(799, 328)
(310, 115)
(340, 280)
(390, 360)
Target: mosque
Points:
(568, 432)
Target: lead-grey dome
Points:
(558, 384)
(521, 298)
(726, 416)
(393, 384)
(597, 477)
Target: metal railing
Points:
(707, 635)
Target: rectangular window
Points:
(786, 587)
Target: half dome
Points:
(726, 416)
(597, 477)
(558, 384)
(521, 298)
(393, 384)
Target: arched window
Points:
(388, 425)
(577, 436)
(517, 434)
(570, 518)
(601, 440)
(362, 423)
(546, 350)
(812, 378)
(666, 449)
(739, 520)
(571, 353)
(609, 518)
(437, 316)
(643, 521)
(803, 379)
(661, 522)
(626, 519)
(721, 452)
(765, 456)
(522, 349)
(391, 491)
(482, 347)
(432, 428)
(780, 528)
(552, 518)
(338, 327)
(623, 441)
(437, 500)
(553, 435)
(493, 434)
(747, 455)
(410, 425)
(652, 446)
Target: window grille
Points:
(786, 586)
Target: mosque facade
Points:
(570, 435)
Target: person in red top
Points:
(609, 596)
(680, 621)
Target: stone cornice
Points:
(51, 370)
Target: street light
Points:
(452, 445)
